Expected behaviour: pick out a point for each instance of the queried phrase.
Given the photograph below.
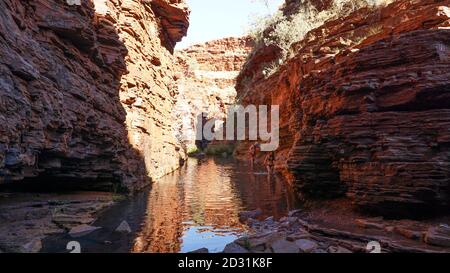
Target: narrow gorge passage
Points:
(101, 113)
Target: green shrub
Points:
(284, 31)
(192, 151)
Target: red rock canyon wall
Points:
(86, 91)
(206, 81)
(365, 108)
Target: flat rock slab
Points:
(370, 224)
(67, 220)
(82, 230)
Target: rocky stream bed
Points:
(297, 233)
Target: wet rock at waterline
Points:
(26, 219)
(247, 215)
(303, 236)
(201, 250)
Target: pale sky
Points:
(214, 19)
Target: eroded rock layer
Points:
(174, 18)
(206, 81)
(365, 107)
(86, 91)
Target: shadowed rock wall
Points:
(85, 91)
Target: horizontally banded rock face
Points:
(206, 81)
(148, 90)
(86, 90)
(365, 107)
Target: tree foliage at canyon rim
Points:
(283, 31)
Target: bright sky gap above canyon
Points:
(216, 19)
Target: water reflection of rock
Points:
(273, 197)
(206, 197)
(162, 229)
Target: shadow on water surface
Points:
(197, 206)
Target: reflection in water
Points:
(198, 206)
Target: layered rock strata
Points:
(86, 90)
(206, 82)
(174, 20)
(365, 107)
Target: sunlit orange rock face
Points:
(150, 30)
(206, 81)
(86, 90)
(365, 108)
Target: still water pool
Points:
(195, 207)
